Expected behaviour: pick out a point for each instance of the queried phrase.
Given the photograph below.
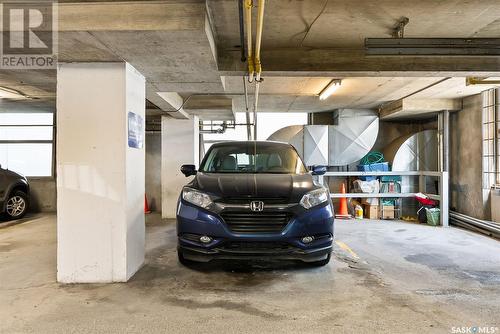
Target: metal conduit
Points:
(247, 112)
(496, 114)
(254, 65)
(258, 67)
(248, 24)
(474, 224)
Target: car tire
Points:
(182, 259)
(16, 205)
(322, 263)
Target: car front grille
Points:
(266, 200)
(256, 222)
(252, 246)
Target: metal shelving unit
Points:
(442, 197)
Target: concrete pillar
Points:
(180, 145)
(100, 172)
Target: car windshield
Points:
(253, 157)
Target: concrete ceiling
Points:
(296, 94)
(191, 47)
(345, 24)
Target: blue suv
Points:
(257, 201)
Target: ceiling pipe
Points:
(247, 112)
(258, 37)
(248, 25)
(258, 66)
(256, 102)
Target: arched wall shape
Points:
(415, 152)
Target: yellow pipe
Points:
(258, 38)
(258, 67)
(248, 24)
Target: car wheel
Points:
(322, 262)
(17, 205)
(182, 259)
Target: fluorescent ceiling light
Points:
(330, 88)
(7, 93)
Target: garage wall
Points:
(43, 190)
(43, 196)
(153, 170)
(466, 193)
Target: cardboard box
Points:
(370, 201)
(371, 211)
(388, 212)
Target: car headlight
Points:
(314, 198)
(196, 197)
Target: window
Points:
(491, 143)
(267, 124)
(243, 157)
(26, 143)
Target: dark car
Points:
(14, 194)
(254, 200)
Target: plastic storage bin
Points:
(377, 167)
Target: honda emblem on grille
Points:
(257, 206)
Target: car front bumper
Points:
(194, 222)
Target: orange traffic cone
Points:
(343, 213)
(146, 206)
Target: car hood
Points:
(289, 187)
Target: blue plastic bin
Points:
(377, 167)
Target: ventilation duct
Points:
(414, 152)
(333, 145)
(418, 151)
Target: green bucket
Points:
(433, 216)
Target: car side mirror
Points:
(188, 170)
(318, 170)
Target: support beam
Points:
(170, 102)
(444, 201)
(446, 140)
(131, 16)
(411, 107)
(100, 172)
(180, 145)
(355, 63)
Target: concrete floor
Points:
(385, 277)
